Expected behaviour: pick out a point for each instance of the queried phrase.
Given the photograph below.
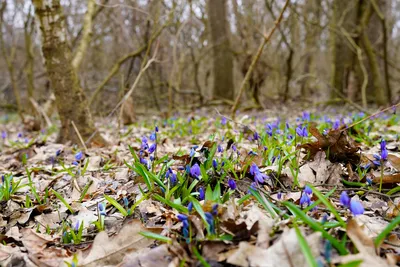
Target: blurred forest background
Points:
(196, 52)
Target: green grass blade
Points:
(328, 204)
(63, 201)
(315, 226)
(155, 236)
(200, 258)
(393, 224)
(317, 202)
(116, 205)
(305, 248)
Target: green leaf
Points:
(315, 226)
(393, 224)
(264, 202)
(179, 208)
(355, 263)
(116, 205)
(328, 204)
(305, 248)
(199, 257)
(199, 209)
(209, 193)
(217, 192)
(63, 201)
(155, 236)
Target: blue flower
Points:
(78, 156)
(185, 228)
(153, 136)
(307, 190)
(210, 221)
(234, 148)
(344, 199)
(202, 193)
(305, 199)
(156, 129)
(269, 129)
(102, 209)
(356, 208)
(260, 177)
(256, 136)
(182, 217)
(215, 163)
(152, 148)
(220, 149)
(19, 135)
(77, 226)
(254, 169)
(143, 161)
(75, 163)
(195, 171)
(58, 152)
(368, 181)
(279, 196)
(126, 201)
(190, 206)
(306, 116)
(302, 131)
(3, 135)
(336, 124)
(384, 152)
(215, 210)
(223, 120)
(144, 145)
(232, 184)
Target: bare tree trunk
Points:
(70, 100)
(344, 16)
(9, 58)
(222, 55)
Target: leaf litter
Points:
(142, 202)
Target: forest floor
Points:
(272, 188)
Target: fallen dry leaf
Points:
(110, 251)
(286, 252)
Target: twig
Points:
(79, 136)
(41, 111)
(256, 58)
(370, 116)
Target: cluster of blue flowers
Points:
(305, 199)
(259, 177)
(151, 149)
(383, 156)
(355, 206)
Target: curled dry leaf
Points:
(110, 251)
(341, 147)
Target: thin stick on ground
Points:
(370, 116)
(79, 136)
(256, 58)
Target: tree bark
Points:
(345, 16)
(222, 55)
(70, 100)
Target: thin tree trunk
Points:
(70, 100)
(222, 56)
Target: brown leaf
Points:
(395, 161)
(340, 147)
(110, 251)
